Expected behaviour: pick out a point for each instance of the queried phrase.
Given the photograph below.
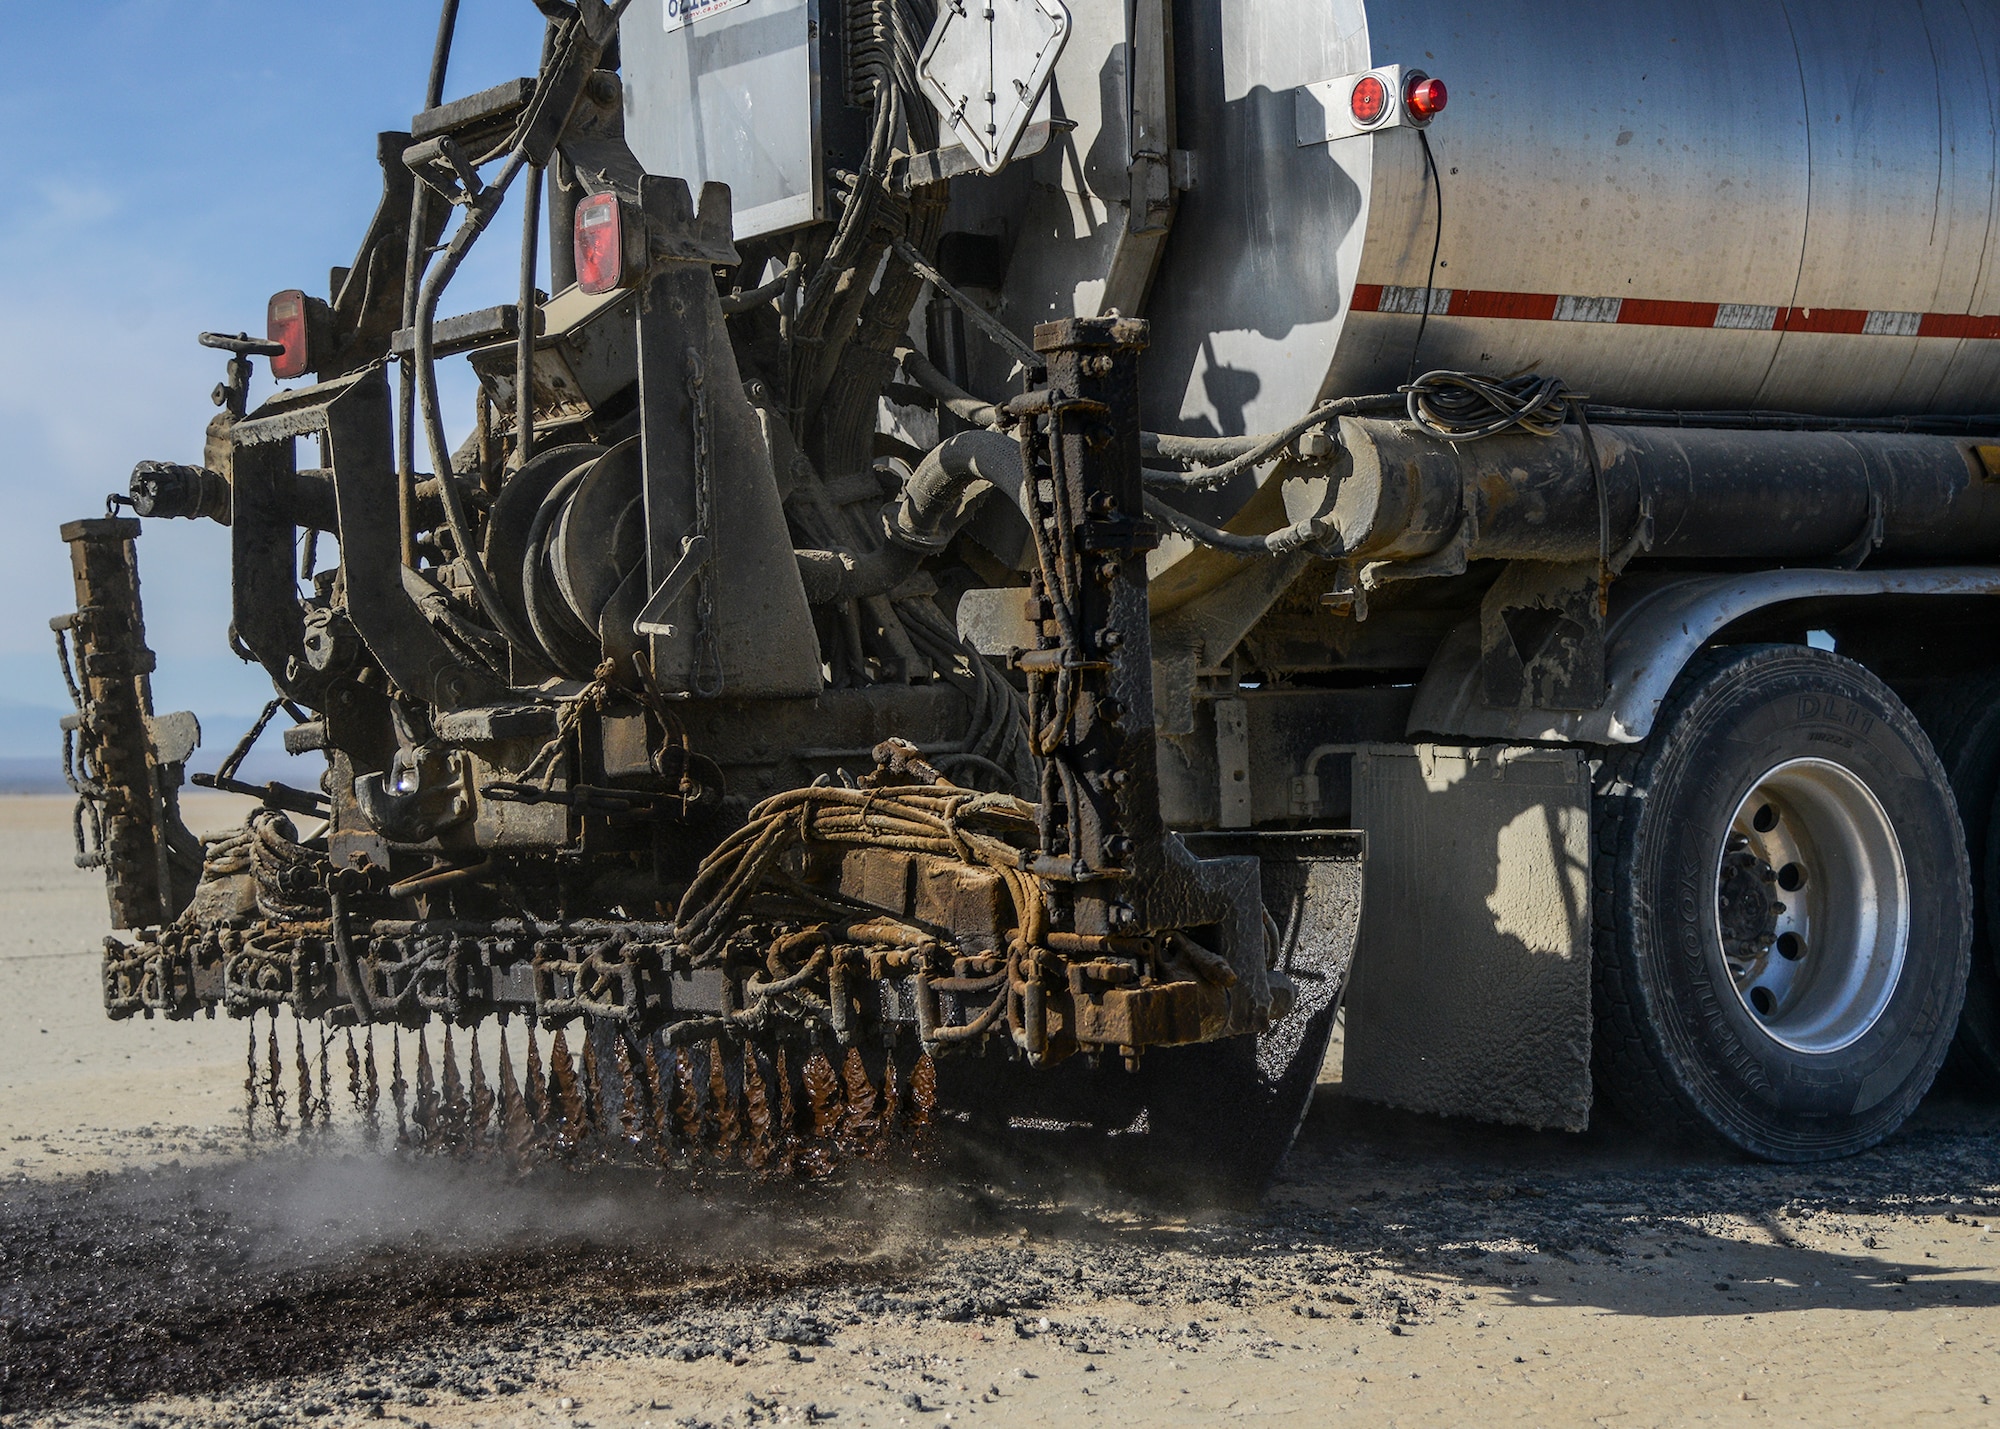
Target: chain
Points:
(87, 819)
(707, 655)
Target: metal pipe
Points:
(1002, 336)
(441, 54)
(439, 878)
(1826, 498)
(524, 340)
(172, 492)
(563, 189)
(558, 929)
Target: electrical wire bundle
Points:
(1465, 407)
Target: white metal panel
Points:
(732, 95)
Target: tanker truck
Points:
(1034, 552)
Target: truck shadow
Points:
(1458, 1215)
(1616, 1220)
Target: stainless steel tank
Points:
(1689, 203)
(1685, 203)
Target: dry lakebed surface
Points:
(160, 1267)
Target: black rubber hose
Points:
(928, 513)
(1170, 447)
(831, 577)
(478, 215)
(952, 397)
(548, 632)
(919, 523)
(1206, 478)
(1318, 531)
(414, 260)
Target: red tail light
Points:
(287, 322)
(600, 244)
(1370, 100)
(1425, 98)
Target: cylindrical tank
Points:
(1820, 498)
(1685, 203)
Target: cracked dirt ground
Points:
(157, 1269)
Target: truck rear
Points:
(1004, 509)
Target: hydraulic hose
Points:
(831, 577)
(936, 499)
(413, 272)
(1169, 447)
(952, 397)
(933, 504)
(1319, 532)
(1206, 478)
(479, 213)
(1234, 455)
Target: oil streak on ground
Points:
(1399, 1264)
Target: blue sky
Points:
(170, 165)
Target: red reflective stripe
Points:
(1950, 325)
(1532, 307)
(1836, 320)
(1962, 325)
(1668, 312)
(1661, 312)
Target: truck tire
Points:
(1783, 909)
(1963, 722)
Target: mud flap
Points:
(1242, 1100)
(1471, 990)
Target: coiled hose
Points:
(1465, 407)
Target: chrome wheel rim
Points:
(1812, 906)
